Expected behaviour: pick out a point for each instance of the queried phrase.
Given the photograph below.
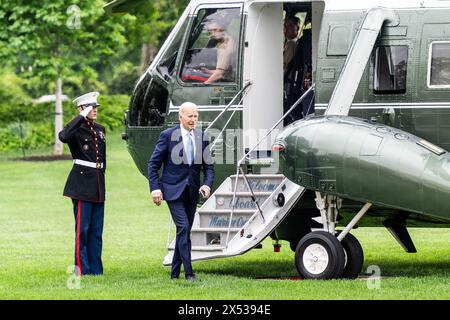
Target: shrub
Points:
(38, 130)
(112, 110)
(31, 135)
(13, 98)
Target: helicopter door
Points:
(263, 66)
(208, 70)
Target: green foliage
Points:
(123, 79)
(59, 40)
(34, 128)
(111, 111)
(26, 135)
(13, 97)
(41, 41)
(155, 19)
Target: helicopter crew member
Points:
(183, 151)
(86, 183)
(226, 51)
(291, 29)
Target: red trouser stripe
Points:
(77, 244)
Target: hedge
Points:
(38, 131)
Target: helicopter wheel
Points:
(320, 255)
(354, 257)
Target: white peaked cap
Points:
(88, 98)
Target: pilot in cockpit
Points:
(226, 51)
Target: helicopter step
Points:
(221, 229)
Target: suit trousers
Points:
(183, 212)
(88, 236)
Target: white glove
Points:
(86, 111)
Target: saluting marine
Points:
(86, 183)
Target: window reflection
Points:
(148, 104)
(212, 51)
(440, 64)
(390, 69)
(167, 63)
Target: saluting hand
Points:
(157, 197)
(86, 111)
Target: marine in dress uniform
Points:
(86, 183)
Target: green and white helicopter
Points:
(357, 134)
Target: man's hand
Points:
(205, 191)
(157, 197)
(86, 111)
(308, 81)
(206, 70)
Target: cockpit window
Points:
(439, 65)
(211, 54)
(167, 63)
(390, 70)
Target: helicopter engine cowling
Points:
(367, 162)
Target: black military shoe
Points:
(191, 277)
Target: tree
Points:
(153, 20)
(56, 41)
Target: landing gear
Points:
(319, 255)
(330, 254)
(354, 257)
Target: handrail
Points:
(226, 124)
(239, 164)
(246, 85)
(278, 122)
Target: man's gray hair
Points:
(186, 105)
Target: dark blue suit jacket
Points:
(177, 173)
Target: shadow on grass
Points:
(411, 268)
(250, 268)
(258, 269)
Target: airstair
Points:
(244, 210)
(221, 229)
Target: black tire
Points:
(319, 255)
(354, 257)
(293, 245)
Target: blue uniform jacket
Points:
(177, 173)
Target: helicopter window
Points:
(439, 65)
(212, 48)
(390, 69)
(167, 64)
(148, 105)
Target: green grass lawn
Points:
(37, 244)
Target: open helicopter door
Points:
(263, 66)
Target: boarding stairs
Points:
(243, 211)
(222, 230)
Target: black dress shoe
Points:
(174, 277)
(191, 277)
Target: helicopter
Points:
(356, 136)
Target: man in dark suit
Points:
(184, 152)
